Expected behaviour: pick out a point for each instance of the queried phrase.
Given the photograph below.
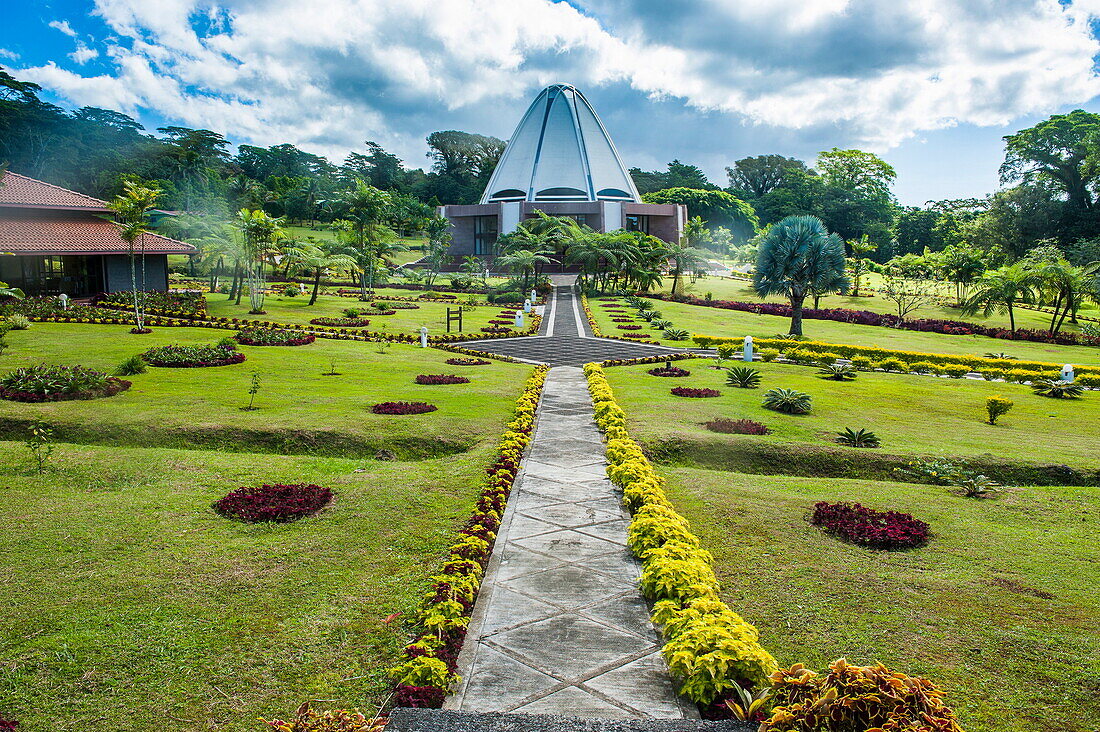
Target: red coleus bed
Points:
(8, 724)
(495, 329)
(629, 327)
(273, 337)
(433, 379)
(687, 391)
(622, 320)
(341, 322)
(403, 408)
(502, 322)
(672, 371)
(872, 529)
(274, 502)
(468, 362)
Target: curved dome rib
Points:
(560, 151)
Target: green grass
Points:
(736, 324)
(1010, 661)
(300, 409)
(130, 605)
(913, 415)
(282, 309)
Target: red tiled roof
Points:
(19, 191)
(38, 234)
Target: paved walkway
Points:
(560, 626)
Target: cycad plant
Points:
(788, 401)
(1057, 388)
(676, 334)
(858, 438)
(743, 377)
(838, 371)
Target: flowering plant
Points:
(687, 391)
(49, 383)
(177, 356)
(435, 379)
(669, 371)
(468, 362)
(274, 502)
(403, 408)
(341, 322)
(273, 337)
(866, 527)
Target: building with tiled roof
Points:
(53, 241)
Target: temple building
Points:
(561, 161)
(53, 241)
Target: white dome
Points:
(560, 151)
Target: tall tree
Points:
(131, 214)
(1000, 291)
(715, 207)
(860, 172)
(368, 210)
(1061, 150)
(762, 174)
(261, 233)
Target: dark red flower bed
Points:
(403, 408)
(502, 322)
(631, 334)
(672, 371)
(687, 391)
(629, 327)
(728, 426)
(887, 320)
(274, 502)
(433, 379)
(341, 322)
(7, 725)
(468, 362)
(273, 337)
(495, 329)
(866, 527)
(622, 320)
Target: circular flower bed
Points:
(273, 337)
(435, 379)
(669, 371)
(686, 391)
(176, 356)
(386, 305)
(872, 529)
(274, 502)
(468, 362)
(47, 383)
(341, 322)
(403, 408)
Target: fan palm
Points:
(1000, 291)
(523, 261)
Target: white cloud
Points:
(329, 75)
(64, 27)
(83, 54)
(5, 53)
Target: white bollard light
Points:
(423, 336)
(526, 306)
(534, 296)
(64, 299)
(519, 319)
(1067, 372)
(747, 354)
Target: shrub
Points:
(660, 324)
(924, 367)
(352, 312)
(686, 391)
(18, 322)
(955, 371)
(132, 366)
(468, 362)
(273, 337)
(893, 365)
(403, 408)
(1090, 380)
(395, 305)
(511, 296)
(668, 370)
(1057, 388)
(436, 379)
(48, 383)
(838, 371)
(349, 322)
(277, 502)
(728, 426)
(339, 720)
(856, 698)
(863, 363)
(177, 356)
(788, 401)
(977, 485)
(743, 377)
(767, 355)
(858, 438)
(649, 315)
(676, 334)
(996, 407)
(868, 528)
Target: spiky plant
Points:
(1057, 388)
(743, 377)
(650, 315)
(977, 486)
(788, 401)
(642, 304)
(838, 371)
(660, 324)
(858, 438)
(676, 334)
(1000, 356)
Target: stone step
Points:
(449, 720)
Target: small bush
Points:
(868, 528)
(676, 334)
(767, 355)
(788, 401)
(437, 379)
(48, 383)
(177, 356)
(858, 438)
(355, 322)
(660, 324)
(18, 322)
(629, 327)
(743, 377)
(893, 365)
(273, 337)
(863, 363)
(686, 391)
(728, 426)
(996, 407)
(856, 698)
(1057, 388)
(838, 372)
(924, 367)
(403, 408)
(669, 371)
(132, 366)
(955, 371)
(277, 502)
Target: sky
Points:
(931, 86)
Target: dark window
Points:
(613, 193)
(73, 275)
(508, 193)
(485, 234)
(634, 222)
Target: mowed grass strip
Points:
(999, 608)
(129, 604)
(300, 408)
(698, 319)
(913, 415)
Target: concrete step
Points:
(447, 720)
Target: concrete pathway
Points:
(560, 626)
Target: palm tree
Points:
(318, 261)
(860, 246)
(1000, 291)
(131, 210)
(523, 261)
(683, 256)
(368, 209)
(796, 258)
(438, 230)
(261, 234)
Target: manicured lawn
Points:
(130, 605)
(282, 309)
(736, 324)
(965, 610)
(301, 409)
(913, 415)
